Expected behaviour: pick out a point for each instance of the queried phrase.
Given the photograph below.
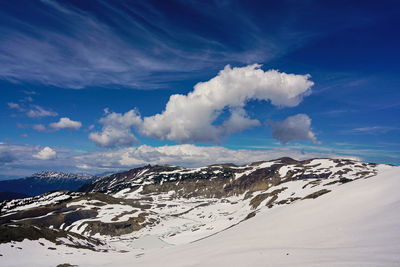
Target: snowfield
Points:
(356, 224)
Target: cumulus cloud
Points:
(116, 129)
(46, 153)
(193, 117)
(190, 118)
(38, 111)
(297, 127)
(66, 123)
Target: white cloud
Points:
(46, 153)
(38, 111)
(297, 127)
(66, 123)
(116, 129)
(192, 117)
(239, 121)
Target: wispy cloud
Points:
(372, 130)
(31, 110)
(15, 106)
(26, 99)
(29, 92)
(37, 111)
(138, 45)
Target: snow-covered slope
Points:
(356, 225)
(318, 213)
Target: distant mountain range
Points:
(42, 182)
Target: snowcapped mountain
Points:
(282, 211)
(42, 182)
(61, 175)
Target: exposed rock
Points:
(317, 194)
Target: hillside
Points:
(285, 211)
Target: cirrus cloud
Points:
(38, 111)
(139, 45)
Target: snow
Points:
(62, 175)
(148, 242)
(46, 199)
(322, 163)
(357, 224)
(109, 213)
(266, 164)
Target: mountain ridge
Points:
(45, 181)
(173, 206)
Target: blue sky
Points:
(82, 82)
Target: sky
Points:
(99, 86)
